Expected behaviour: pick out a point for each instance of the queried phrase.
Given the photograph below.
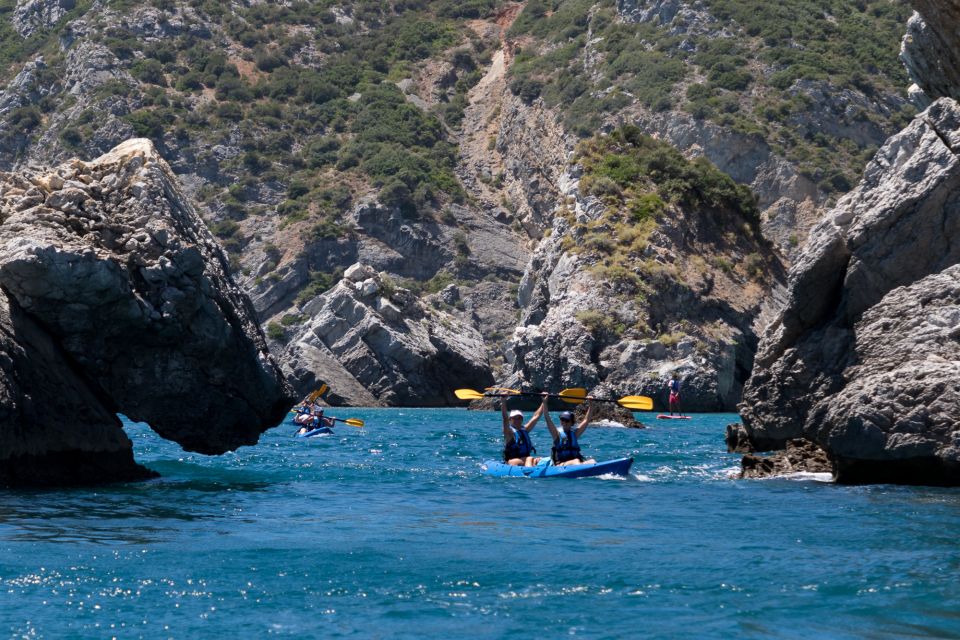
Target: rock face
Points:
(54, 425)
(33, 15)
(377, 344)
(800, 456)
(113, 263)
(930, 49)
(863, 360)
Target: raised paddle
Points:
(576, 395)
(313, 396)
(635, 403)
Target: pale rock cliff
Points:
(376, 344)
(862, 359)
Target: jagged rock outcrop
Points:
(112, 261)
(931, 51)
(799, 456)
(863, 359)
(32, 15)
(375, 343)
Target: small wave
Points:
(642, 477)
(811, 476)
(611, 424)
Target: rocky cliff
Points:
(312, 137)
(634, 281)
(130, 294)
(863, 358)
(376, 343)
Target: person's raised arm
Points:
(507, 433)
(586, 418)
(546, 415)
(535, 417)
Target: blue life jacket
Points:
(675, 386)
(565, 448)
(520, 447)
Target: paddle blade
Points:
(575, 395)
(319, 392)
(503, 390)
(354, 422)
(636, 403)
(468, 394)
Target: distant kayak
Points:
(618, 467)
(319, 431)
(664, 416)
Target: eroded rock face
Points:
(376, 344)
(54, 427)
(931, 50)
(31, 16)
(863, 360)
(115, 265)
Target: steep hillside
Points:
(431, 140)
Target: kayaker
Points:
(518, 450)
(304, 415)
(674, 388)
(566, 443)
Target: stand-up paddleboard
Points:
(547, 469)
(664, 416)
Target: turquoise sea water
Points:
(391, 531)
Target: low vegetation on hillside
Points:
(581, 58)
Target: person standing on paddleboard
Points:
(518, 450)
(674, 387)
(566, 443)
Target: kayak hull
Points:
(618, 467)
(666, 417)
(319, 431)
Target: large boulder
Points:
(863, 358)
(114, 264)
(376, 344)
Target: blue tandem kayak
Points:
(319, 431)
(546, 469)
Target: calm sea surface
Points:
(391, 531)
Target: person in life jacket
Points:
(304, 414)
(310, 417)
(566, 441)
(518, 450)
(674, 388)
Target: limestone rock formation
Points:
(33, 15)
(112, 261)
(375, 343)
(579, 327)
(863, 359)
(931, 51)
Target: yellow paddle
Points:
(353, 422)
(313, 396)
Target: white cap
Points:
(516, 414)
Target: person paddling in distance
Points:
(566, 442)
(312, 418)
(674, 388)
(518, 450)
